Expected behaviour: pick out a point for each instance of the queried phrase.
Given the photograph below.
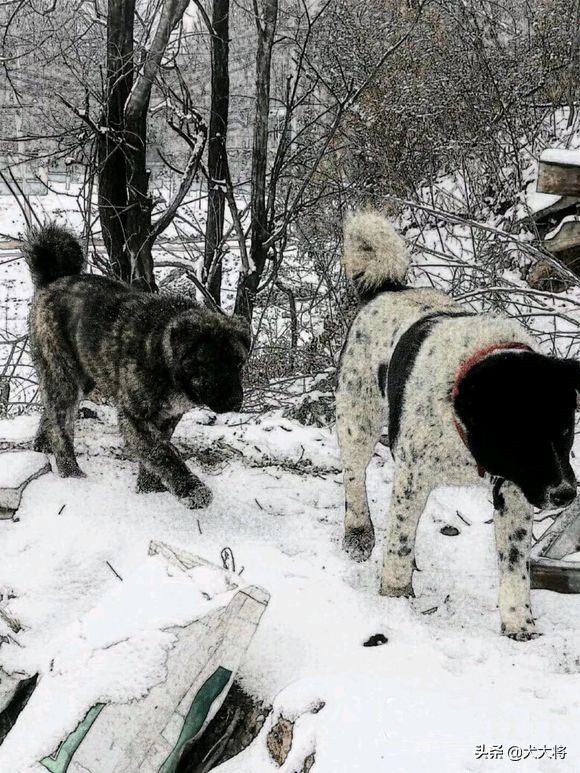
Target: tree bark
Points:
(125, 205)
(216, 161)
(112, 159)
(249, 282)
(140, 205)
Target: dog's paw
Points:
(394, 592)
(359, 543)
(524, 635)
(199, 497)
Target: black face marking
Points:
(518, 410)
(382, 377)
(402, 362)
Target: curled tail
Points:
(375, 257)
(52, 252)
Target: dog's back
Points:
(95, 326)
(384, 354)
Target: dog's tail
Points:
(52, 252)
(375, 257)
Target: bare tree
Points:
(216, 157)
(111, 119)
(125, 204)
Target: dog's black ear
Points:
(572, 368)
(469, 405)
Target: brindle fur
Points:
(152, 356)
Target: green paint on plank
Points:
(61, 759)
(197, 714)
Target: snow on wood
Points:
(543, 205)
(573, 558)
(561, 156)
(17, 470)
(566, 236)
(559, 172)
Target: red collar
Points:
(462, 371)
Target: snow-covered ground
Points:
(444, 684)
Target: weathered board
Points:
(553, 207)
(149, 735)
(547, 567)
(559, 172)
(565, 237)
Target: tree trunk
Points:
(139, 201)
(112, 172)
(124, 202)
(266, 24)
(216, 161)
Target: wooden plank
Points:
(547, 569)
(566, 237)
(559, 174)
(563, 536)
(552, 208)
(557, 576)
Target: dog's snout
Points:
(236, 403)
(562, 495)
(232, 403)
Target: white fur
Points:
(374, 252)
(429, 450)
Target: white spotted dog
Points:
(464, 396)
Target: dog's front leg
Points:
(408, 500)
(162, 459)
(358, 426)
(147, 481)
(513, 520)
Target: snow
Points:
(572, 557)
(561, 156)
(536, 202)
(445, 682)
(16, 467)
(21, 429)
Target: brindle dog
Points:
(153, 356)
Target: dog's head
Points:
(207, 354)
(518, 412)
